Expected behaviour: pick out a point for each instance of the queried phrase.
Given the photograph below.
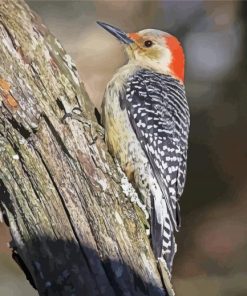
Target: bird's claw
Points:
(95, 129)
(73, 115)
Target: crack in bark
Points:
(57, 137)
(25, 133)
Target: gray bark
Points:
(66, 202)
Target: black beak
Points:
(120, 35)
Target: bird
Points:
(146, 118)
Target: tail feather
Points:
(169, 247)
(156, 230)
(162, 232)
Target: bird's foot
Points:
(96, 130)
(76, 113)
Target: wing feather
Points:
(158, 112)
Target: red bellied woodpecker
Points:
(146, 119)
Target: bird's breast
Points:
(120, 136)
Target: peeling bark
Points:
(66, 202)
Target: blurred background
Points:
(212, 245)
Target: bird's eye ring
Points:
(148, 43)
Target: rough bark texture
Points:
(66, 202)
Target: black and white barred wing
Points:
(158, 111)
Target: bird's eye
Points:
(148, 43)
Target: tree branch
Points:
(67, 204)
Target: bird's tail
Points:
(169, 246)
(162, 232)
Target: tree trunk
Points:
(67, 204)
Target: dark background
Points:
(212, 256)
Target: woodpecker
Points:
(146, 119)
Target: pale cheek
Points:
(166, 58)
(157, 58)
(138, 55)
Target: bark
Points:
(68, 205)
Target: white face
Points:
(150, 49)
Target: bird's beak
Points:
(120, 35)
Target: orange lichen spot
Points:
(4, 85)
(10, 101)
(177, 63)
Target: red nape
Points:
(177, 63)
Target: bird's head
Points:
(154, 49)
